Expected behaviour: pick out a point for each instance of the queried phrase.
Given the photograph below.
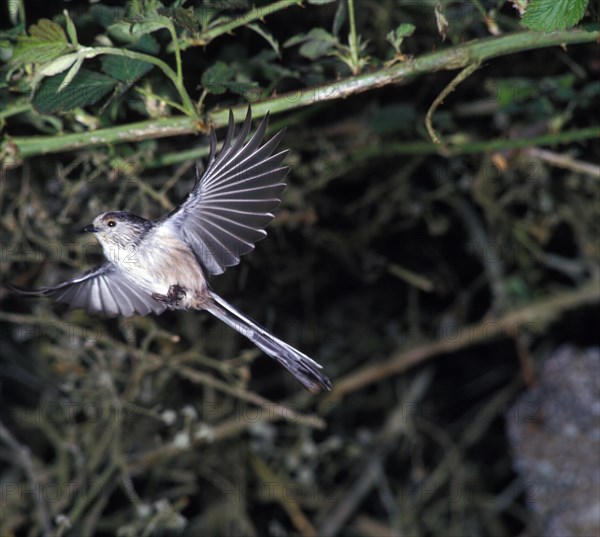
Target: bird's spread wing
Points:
(229, 207)
(103, 289)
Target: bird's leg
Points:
(173, 296)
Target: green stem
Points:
(353, 39)
(175, 41)
(257, 13)
(13, 110)
(412, 148)
(451, 58)
(482, 146)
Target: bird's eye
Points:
(111, 223)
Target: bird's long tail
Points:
(306, 370)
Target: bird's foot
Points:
(173, 296)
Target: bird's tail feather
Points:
(306, 370)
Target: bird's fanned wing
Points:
(103, 289)
(229, 207)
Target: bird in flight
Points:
(157, 265)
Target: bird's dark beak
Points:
(90, 229)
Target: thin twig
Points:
(23, 454)
(537, 314)
(373, 471)
(465, 73)
(566, 162)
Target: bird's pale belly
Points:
(168, 262)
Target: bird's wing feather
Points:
(103, 289)
(231, 203)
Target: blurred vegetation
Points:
(437, 240)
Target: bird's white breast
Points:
(161, 260)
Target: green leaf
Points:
(105, 16)
(295, 40)
(71, 74)
(185, 18)
(46, 30)
(71, 28)
(86, 88)
(315, 49)
(219, 78)
(321, 35)
(395, 37)
(317, 43)
(320, 1)
(339, 18)
(6, 50)
(46, 41)
(146, 44)
(265, 63)
(315, 34)
(552, 15)
(130, 32)
(216, 78)
(404, 30)
(124, 69)
(244, 88)
(58, 65)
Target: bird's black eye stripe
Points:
(111, 223)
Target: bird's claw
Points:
(174, 295)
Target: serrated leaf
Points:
(242, 88)
(265, 34)
(46, 41)
(86, 88)
(124, 69)
(47, 30)
(552, 15)
(136, 8)
(187, 19)
(216, 78)
(184, 18)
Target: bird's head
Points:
(120, 229)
